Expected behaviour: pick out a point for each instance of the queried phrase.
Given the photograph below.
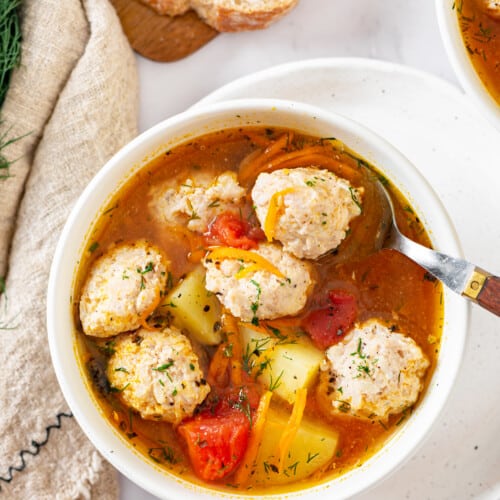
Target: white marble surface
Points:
(400, 31)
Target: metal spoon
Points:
(461, 276)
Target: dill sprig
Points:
(5, 163)
(10, 42)
(10, 53)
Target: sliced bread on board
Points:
(228, 15)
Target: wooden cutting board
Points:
(162, 38)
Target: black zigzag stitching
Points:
(36, 445)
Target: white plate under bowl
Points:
(457, 150)
(179, 129)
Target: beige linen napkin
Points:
(75, 93)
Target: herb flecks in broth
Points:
(479, 22)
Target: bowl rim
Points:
(460, 61)
(70, 247)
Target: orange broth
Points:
(386, 284)
(481, 36)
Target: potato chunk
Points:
(283, 365)
(313, 446)
(195, 309)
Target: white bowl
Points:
(461, 62)
(186, 126)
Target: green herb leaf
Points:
(164, 367)
(355, 198)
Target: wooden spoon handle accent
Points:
(162, 38)
(489, 296)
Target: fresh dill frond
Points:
(10, 54)
(10, 42)
(5, 163)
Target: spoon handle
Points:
(461, 276)
(489, 295)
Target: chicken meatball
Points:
(157, 374)
(372, 372)
(307, 209)
(122, 286)
(198, 200)
(271, 285)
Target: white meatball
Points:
(261, 294)
(122, 285)
(314, 211)
(372, 372)
(158, 374)
(198, 200)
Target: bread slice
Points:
(240, 15)
(169, 7)
(228, 15)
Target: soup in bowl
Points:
(471, 33)
(223, 321)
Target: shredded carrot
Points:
(252, 168)
(276, 204)
(292, 426)
(260, 140)
(252, 268)
(337, 167)
(311, 156)
(257, 433)
(149, 310)
(221, 253)
(281, 143)
(247, 165)
(270, 163)
(284, 322)
(218, 366)
(276, 156)
(310, 150)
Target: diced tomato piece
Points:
(229, 229)
(328, 325)
(216, 445)
(217, 437)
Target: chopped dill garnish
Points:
(214, 203)
(358, 351)
(164, 367)
(242, 404)
(147, 269)
(293, 468)
(383, 180)
(355, 198)
(274, 384)
(116, 389)
(255, 305)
